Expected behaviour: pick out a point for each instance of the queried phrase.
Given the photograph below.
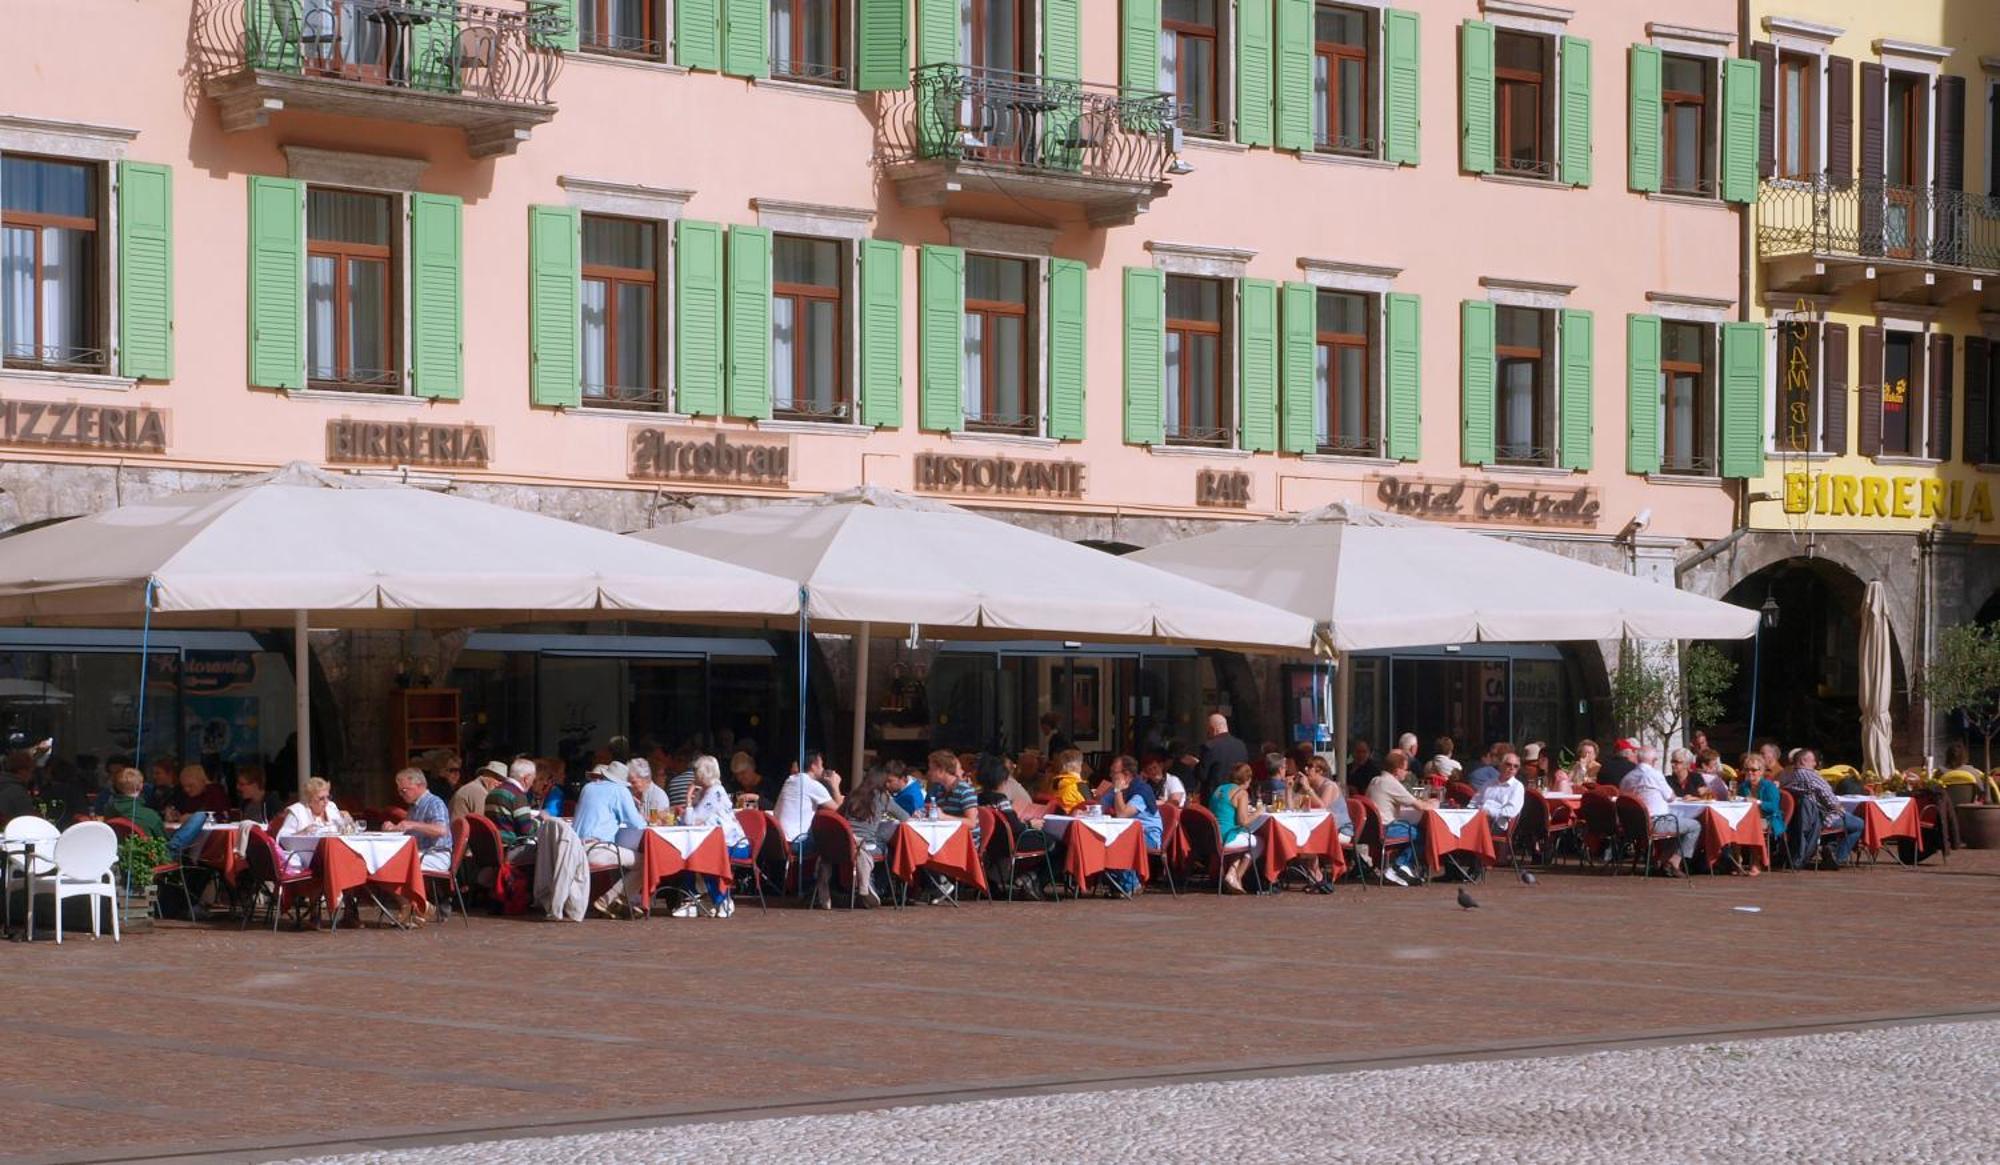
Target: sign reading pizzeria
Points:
(1000, 477)
(68, 425)
(351, 442)
(709, 458)
(1227, 489)
(1468, 500)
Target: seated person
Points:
(126, 801)
(1270, 788)
(1322, 791)
(1709, 768)
(748, 783)
(1068, 793)
(708, 804)
(1234, 816)
(1804, 783)
(1502, 800)
(1687, 782)
(603, 809)
(1170, 788)
(1755, 782)
(253, 796)
(1129, 796)
(805, 793)
(313, 813)
(873, 813)
(1390, 797)
(650, 797)
(197, 802)
(1647, 783)
(954, 793)
(510, 806)
(547, 792)
(469, 799)
(906, 787)
(428, 820)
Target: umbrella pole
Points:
(145, 650)
(860, 702)
(805, 633)
(301, 698)
(1343, 697)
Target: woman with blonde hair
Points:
(314, 811)
(708, 804)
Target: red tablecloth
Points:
(1282, 848)
(342, 870)
(1747, 833)
(1474, 837)
(1877, 828)
(1086, 855)
(955, 858)
(660, 860)
(218, 851)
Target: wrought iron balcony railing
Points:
(508, 55)
(1030, 124)
(1877, 220)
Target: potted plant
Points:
(138, 856)
(1964, 677)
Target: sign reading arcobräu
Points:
(720, 458)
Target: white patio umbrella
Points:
(301, 544)
(872, 556)
(1877, 679)
(1378, 580)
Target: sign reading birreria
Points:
(721, 458)
(68, 425)
(1002, 477)
(351, 442)
(1468, 500)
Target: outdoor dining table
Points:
(1883, 818)
(362, 861)
(1103, 843)
(1291, 834)
(25, 850)
(1726, 823)
(942, 845)
(1450, 831)
(667, 850)
(224, 847)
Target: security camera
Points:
(1636, 526)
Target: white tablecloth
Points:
(1731, 811)
(1457, 819)
(1892, 808)
(373, 848)
(684, 838)
(1108, 828)
(1301, 822)
(936, 833)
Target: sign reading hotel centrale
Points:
(68, 425)
(352, 442)
(1003, 477)
(1227, 489)
(1471, 500)
(717, 458)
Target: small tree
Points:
(1651, 696)
(1641, 690)
(1964, 677)
(1705, 676)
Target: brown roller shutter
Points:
(1833, 371)
(1839, 122)
(1766, 56)
(1874, 95)
(1939, 406)
(1977, 371)
(1871, 393)
(1951, 209)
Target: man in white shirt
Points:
(805, 793)
(1649, 785)
(1501, 801)
(652, 799)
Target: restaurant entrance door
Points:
(1104, 700)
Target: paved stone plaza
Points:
(208, 1041)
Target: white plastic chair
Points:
(41, 832)
(85, 854)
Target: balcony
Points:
(485, 70)
(983, 131)
(1921, 244)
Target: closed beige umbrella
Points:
(1877, 679)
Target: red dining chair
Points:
(755, 824)
(1008, 852)
(833, 844)
(1203, 835)
(460, 832)
(1368, 832)
(1170, 827)
(1459, 794)
(267, 876)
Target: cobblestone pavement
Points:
(1908, 1093)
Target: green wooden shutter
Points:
(555, 294)
(937, 32)
(698, 301)
(1298, 362)
(1475, 380)
(145, 270)
(1642, 393)
(749, 322)
(1402, 368)
(1253, 72)
(1578, 343)
(277, 282)
(1292, 74)
(271, 41)
(1644, 136)
(881, 333)
(1145, 355)
(433, 53)
(1068, 342)
(1062, 40)
(437, 296)
(1402, 77)
(941, 339)
(1475, 97)
(882, 56)
(1743, 397)
(1741, 120)
(698, 33)
(1574, 163)
(1139, 45)
(1257, 365)
(561, 17)
(746, 38)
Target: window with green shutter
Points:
(881, 333)
(1642, 393)
(1292, 74)
(937, 32)
(1257, 364)
(698, 347)
(1643, 135)
(882, 55)
(562, 26)
(1139, 45)
(277, 282)
(1068, 344)
(1577, 346)
(1402, 370)
(1475, 380)
(437, 296)
(1299, 361)
(1475, 99)
(1743, 400)
(145, 271)
(698, 33)
(941, 339)
(1253, 72)
(749, 322)
(1402, 77)
(555, 265)
(1145, 305)
(746, 43)
(1575, 132)
(1742, 122)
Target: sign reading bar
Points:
(719, 458)
(352, 442)
(1467, 500)
(68, 425)
(1003, 477)
(1880, 496)
(1224, 488)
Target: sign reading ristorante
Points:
(718, 458)
(1470, 500)
(1004, 477)
(352, 442)
(68, 425)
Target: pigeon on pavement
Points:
(1465, 900)
(1527, 878)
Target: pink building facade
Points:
(1113, 270)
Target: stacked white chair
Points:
(84, 856)
(17, 863)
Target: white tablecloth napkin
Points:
(373, 848)
(1892, 808)
(1108, 828)
(684, 838)
(1457, 819)
(1301, 822)
(936, 833)
(1732, 812)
